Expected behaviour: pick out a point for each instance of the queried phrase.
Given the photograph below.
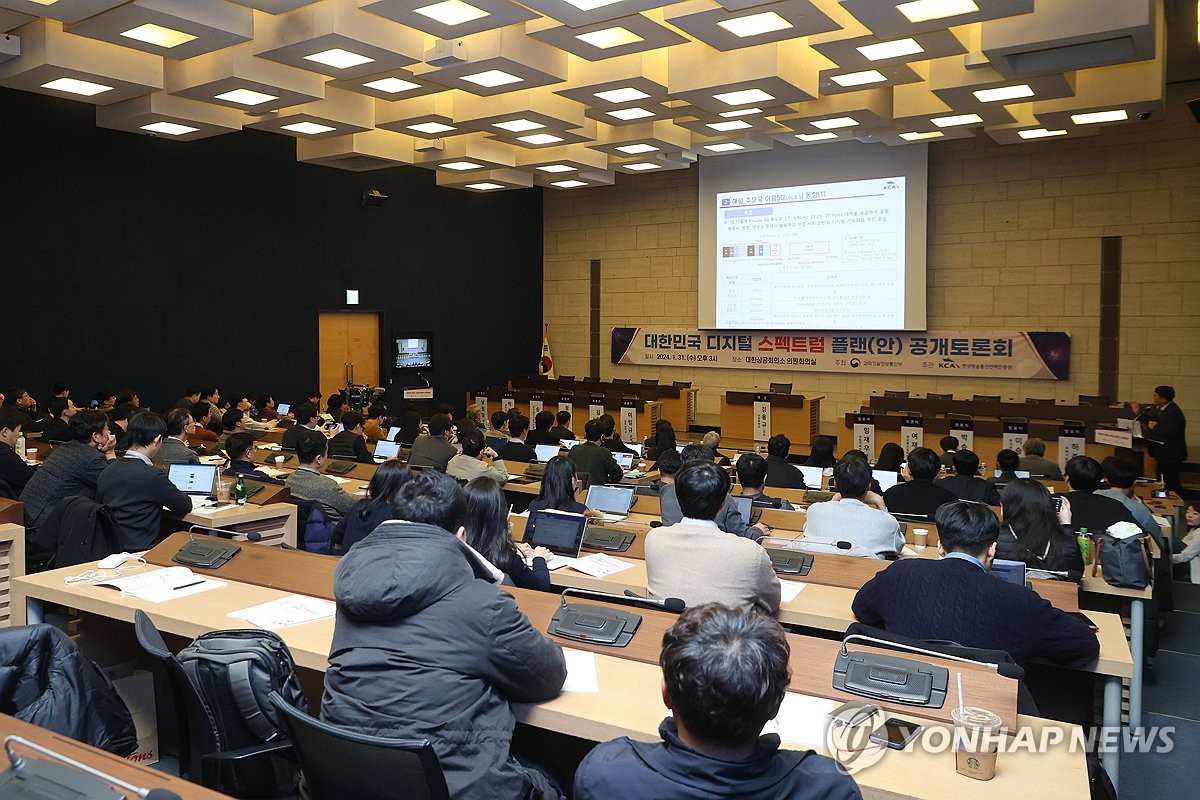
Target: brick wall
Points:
(1014, 244)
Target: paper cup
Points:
(976, 742)
(920, 538)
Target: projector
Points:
(10, 47)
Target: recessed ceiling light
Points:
(741, 112)
(755, 24)
(892, 49)
(610, 37)
(44, 2)
(637, 149)
(1100, 116)
(519, 125)
(485, 187)
(835, 123)
(590, 5)
(158, 35)
(1004, 93)
(492, 78)
(625, 95)
(76, 86)
(732, 125)
(568, 184)
(642, 166)
(724, 147)
(915, 136)
(430, 127)
(741, 98)
(925, 10)
(461, 166)
(540, 138)
(631, 113)
(169, 128)
(1039, 133)
(815, 137)
(556, 168)
(391, 85)
(339, 58)
(246, 97)
(451, 12)
(956, 119)
(308, 128)
(859, 78)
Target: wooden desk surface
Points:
(12, 511)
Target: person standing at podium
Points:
(1164, 427)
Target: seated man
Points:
(118, 423)
(135, 491)
(725, 672)
(373, 427)
(712, 440)
(233, 421)
(239, 448)
(562, 428)
(350, 443)
(729, 519)
(70, 469)
(307, 419)
(611, 440)
(780, 473)
(542, 423)
(307, 482)
(854, 515)
(515, 449)
(697, 562)
(1007, 462)
(201, 417)
(965, 483)
(436, 448)
(191, 395)
(470, 464)
(1035, 462)
(498, 433)
(1089, 508)
(211, 395)
(174, 448)
(19, 399)
(752, 475)
(423, 650)
(956, 600)
(1121, 476)
(592, 458)
(56, 427)
(949, 445)
(13, 469)
(918, 494)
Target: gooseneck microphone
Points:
(672, 604)
(19, 764)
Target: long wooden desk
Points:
(983, 408)
(678, 404)
(797, 416)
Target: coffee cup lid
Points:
(975, 717)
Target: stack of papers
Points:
(789, 590)
(163, 584)
(581, 672)
(802, 720)
(295, 609)
(599, 565)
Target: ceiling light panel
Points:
(606, 40)
(487, 181)
(861, 53)
(451, 19)
(169, 28)
(66, 11)
(893, 18)
(588, 13)
(724, 30)
(339, 113)
(236, 78)
(174, 118)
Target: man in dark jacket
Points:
(1166, 429)
(13, 470)
(135, 491)
(1089, 509)
(725, 673)
(592, 458)
(71, 469)
(780, 473)
(955, 599)
(919, 494)
(434, 449)
(423, 650)
(965, 483)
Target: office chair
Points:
(781, 388)
(935, 396)
(340, 764)
(903, 395)
(566, 377)
(621, 380)
(248, 772)
(1039, 401)
(682, 384)
(649, 381)
(1093, 400)
(986, 398)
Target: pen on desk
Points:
(186, 585)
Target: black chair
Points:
(8, 493)
(1093, 400)
(682, 384)
(340, 764)
(247, 772)
(1036, 401)
(566, 377)
(903, 395)
(781, 388)
(986, 398)
(621, 380)
(648, 393)
(935, 396)
(649, 381)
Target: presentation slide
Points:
(826, 255)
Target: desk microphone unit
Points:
(816, 496)
(210, 552)
(597, 625)
(892, 678)
(787, 562)
(612, 541)
(39, 779)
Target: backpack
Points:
(1125, 561)
(234, 672)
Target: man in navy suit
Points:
(1165, 428)
(955, 599)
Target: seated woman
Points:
(410, 427)
(1031, 531)
(489, 534)
(367, 515)
(821, 454)
(559, 485)
(663, 439)
(1008, 462)
(891, 456)
(1189, 545)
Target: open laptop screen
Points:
(545, 452)
(283, 408)
(392, 432)
(385, 450)
(1011, 571)
(744, 506)
(569, 443)
(812, 476)
(558, 532)
(193, 478)
(624, 460)
(886, 478)
(609, 499)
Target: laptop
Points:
(637, 448)
(195, 480)
(624, 460)
(283, 409)
(1011, 571)
(392, 432)
(885, 477)
(745, 507)
(559, 532)
(812, 476)
(569, 443)
(1020, 473)
(612, 501)
(680, 447)
(545, 452)
(385, 450)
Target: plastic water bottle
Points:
(1085, 544)
(21, 445)
(239, 491)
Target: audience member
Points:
(1089, 509)
(373, 423)
(350, 443)
(662, 440)
(728, 519)
(71, 469)
(212, 395)
(562, 428)
(891, 458)
(436, 448)
(498, 433)
(13, 470)
(1035, 463)
(856, 514)
(543, 421)
(949, 445)
(1007, 463)
(190, 396)
(56, 427)
(594, 460)
(307, 482)
(267, 408)
(307, 421)
(232, 421)
(105, 400)
(135, 492)
(118, 423)
(515, 449)
(965, 483)
(472, 462)
(752, 476)
(918, 495)
(559, 487)
(1031, 530)
(174, 449)
(1121, 476)
(367, 515)
(1188, 547)
(820, 455)
(410, 427)
(129, 396)
(22, 401)
(780, 473)
(240, 449)
(489, 533)
(200, 431)
(333, 407)
(712, 440)
(612, 440)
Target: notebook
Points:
(545, 452)
(1011, 571)
(193, 479)
(386, 450)
(624, 460)
(885, 477)
(812, 476)
(612, 501)
(557, 531)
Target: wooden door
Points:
(349, 349)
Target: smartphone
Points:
(895, 733)
(1095, 628)
(1161, 494)
(854, 713)
(1057, 503)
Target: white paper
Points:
(789, 590)
(581, 672)
(212, 459)
(161, 585)
(269, 446)
(599, 565)
(295, 609)
(271, 472)
(339, 480)
(209, 511)
(802, 720)
(909, 552)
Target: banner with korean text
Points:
(1029, 355)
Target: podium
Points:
(795, 415)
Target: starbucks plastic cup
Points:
(976, 742)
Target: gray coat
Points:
(308, 485)
(174, 451)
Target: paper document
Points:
(268, 446)
(581, 672)
(271, 472)
(295, 609)
(599, 565)
(163, 584)
(788, 590)
(208, 508)
(908, 552)
(340, 480)
(802, 720)
(212, 459)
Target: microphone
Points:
(885, 644)
(672, 604)
(19, 764)
(251, 536)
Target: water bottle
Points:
(21, 445)
(1085, 544)
(239, 491)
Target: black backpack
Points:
(234, 673)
